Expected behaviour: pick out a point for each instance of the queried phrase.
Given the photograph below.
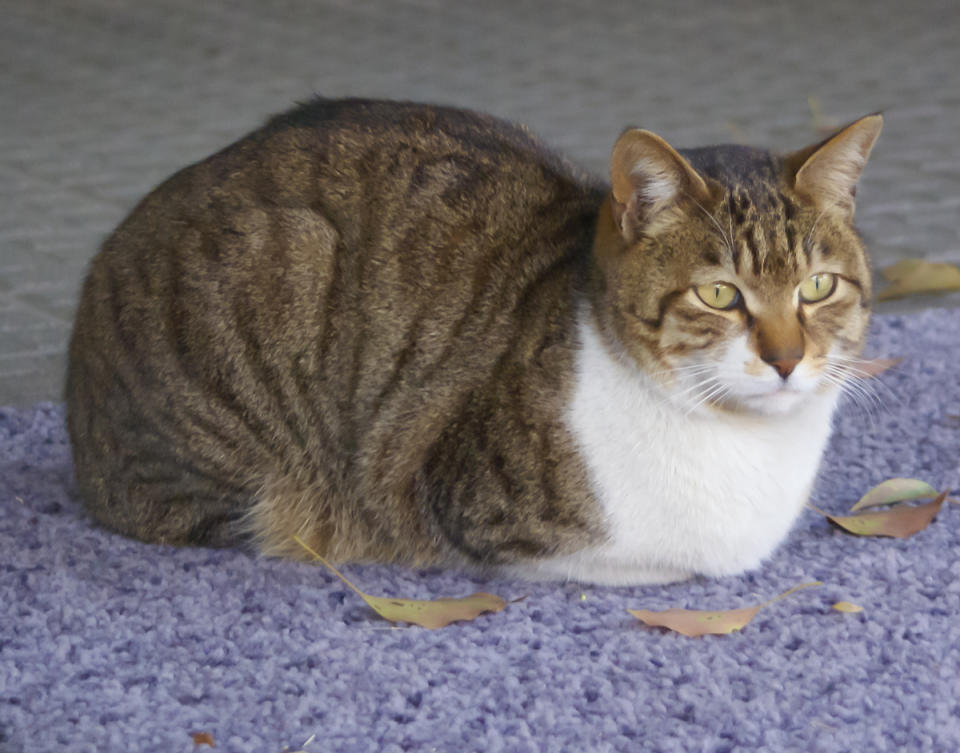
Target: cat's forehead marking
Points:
(758, 216)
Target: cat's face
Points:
(738, 282)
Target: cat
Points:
(412, 334)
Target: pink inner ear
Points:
(648, 175)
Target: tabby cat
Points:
(412, 334)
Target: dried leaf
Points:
(436, 613)
(203, 738)
(911, 276)
(694, 622)
(432, 614)
(899, 523)
(903, 268)
(895, 490)
(874, 367)
(847, 607)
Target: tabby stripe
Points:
(790, 208)
(864, 300)
(230, 402)
(334, 291)
(688, 347)
(711, 257)
(405, 355)
(479, 290)
(419, 177)
(267, 376)
(665, 302)
(791, 233)
(154, 423)
(116, 293)
(148, 427)
(734, 207)
(853, 281)
(370, 224)
(465, 184)
(750, 240)
(556, 266)
(549, 496)
(176, 320)
(309, 389)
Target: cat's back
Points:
(343, 156)
(437, 189)
(319, 298)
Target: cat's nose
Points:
(784, 366)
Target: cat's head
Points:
(733, 276)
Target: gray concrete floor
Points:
(102, 99)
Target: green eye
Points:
(817, 287)
(718, 295)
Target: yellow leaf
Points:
(895, 490)
(694, 622)
(847, 607)
(912, 276)
(431, 614)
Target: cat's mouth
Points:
(740, 393)
(782, 399)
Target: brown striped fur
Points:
(358, 325)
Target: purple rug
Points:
(111, 645)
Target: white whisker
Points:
(730, 224)
(715, 393)
(862, 392)
(672, 398)
(847, 366)
(691, 370)
(816, 222)
(728, 242)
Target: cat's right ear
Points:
(648, 175)
(827, 173)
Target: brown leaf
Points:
(431, 614)
(436, 613)
(910, 276)
(899, 523)
(895, 490)
(694, 622)
(203, 738)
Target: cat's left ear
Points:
(827, 173)
(648, 175)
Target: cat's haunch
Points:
(408, 333)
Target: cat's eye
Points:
(817, 287)
(718, 295)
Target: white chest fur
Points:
(683, 494)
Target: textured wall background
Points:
(102, 99)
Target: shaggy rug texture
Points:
(108, 644)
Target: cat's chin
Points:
(779, 403)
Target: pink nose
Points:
(785, 366)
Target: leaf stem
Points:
(330, 567)
(790, 591)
